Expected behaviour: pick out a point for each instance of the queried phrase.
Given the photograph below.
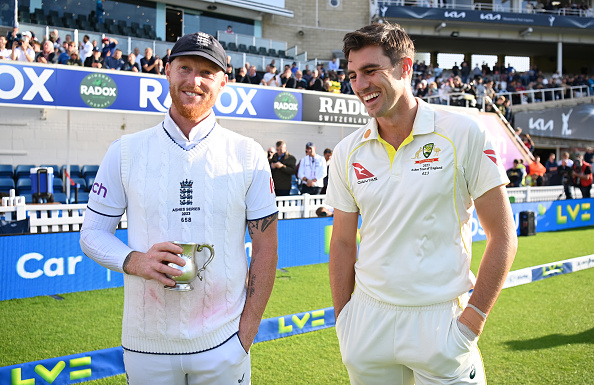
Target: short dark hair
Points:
(390, 37)
(280, 143)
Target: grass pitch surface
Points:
(540, 333)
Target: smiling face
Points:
(379, 84)
(194, 85)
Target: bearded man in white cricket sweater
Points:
(187, 179)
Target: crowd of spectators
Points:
(25, 47)
(465, 86)
(567, 172)
(291, 76)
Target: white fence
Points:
(51, 218)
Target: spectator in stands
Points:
(537, 171)
(552, 176)
(64, 56)
(12, 36)
(115, 61)
(54, 37)
(253, 76)
(300, 83)
(138, 56)
(95, 60)
(327, 157)
(316, 83)
(312, 170)
(324, 211)
(582, 174)
(85, 48)
(294, 68)
(5, 53)
(589, 155)
(282, 165)
(230, 73)
(334, 64)
(287, 80)
(271, 78)
(21, 49)
(109, 47)
(131, 64)
(74, 59)
(515, 175)
(565, 169)
(242, 76)
(464, 72)
(36, 45)
(168, 52)
(528, 142)
(229, 29)
(345, 85)
(149, 63)
(47, 55)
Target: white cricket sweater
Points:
(170, 185)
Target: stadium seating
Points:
(83, 197)
(6, 170)
(89, 170)
(60, 197)
(74, 171)
(22, 170)
(242, 48)
(232, 46)
(58, 187)
(56, 170)
(81, 182)
(23, 186)
(6, 184)
(90, 181)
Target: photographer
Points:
(582, 176)
(565, 169)
(22, 50)
(270, 78)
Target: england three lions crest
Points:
(185, 192)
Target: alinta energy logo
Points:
(98, 90)
(286, 106)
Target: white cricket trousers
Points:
(225, 364)
(404, 345)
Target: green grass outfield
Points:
(539, 333)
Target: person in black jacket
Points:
(282, 165)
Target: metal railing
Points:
(51, 218)
(463, 99)
(505, 7)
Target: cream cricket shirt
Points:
(415, 203)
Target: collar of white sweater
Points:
(197, 133)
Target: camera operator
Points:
(582, 175)
(565, 169)
(22, 50)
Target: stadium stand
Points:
(6, 184)
(74, 171)
(22, 171)
(89, 170)
(23, 186)
(6, 170)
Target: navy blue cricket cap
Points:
(200, 44)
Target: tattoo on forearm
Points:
(261, 224)
(251, 286)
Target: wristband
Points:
(473, 320)
(477, 310)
